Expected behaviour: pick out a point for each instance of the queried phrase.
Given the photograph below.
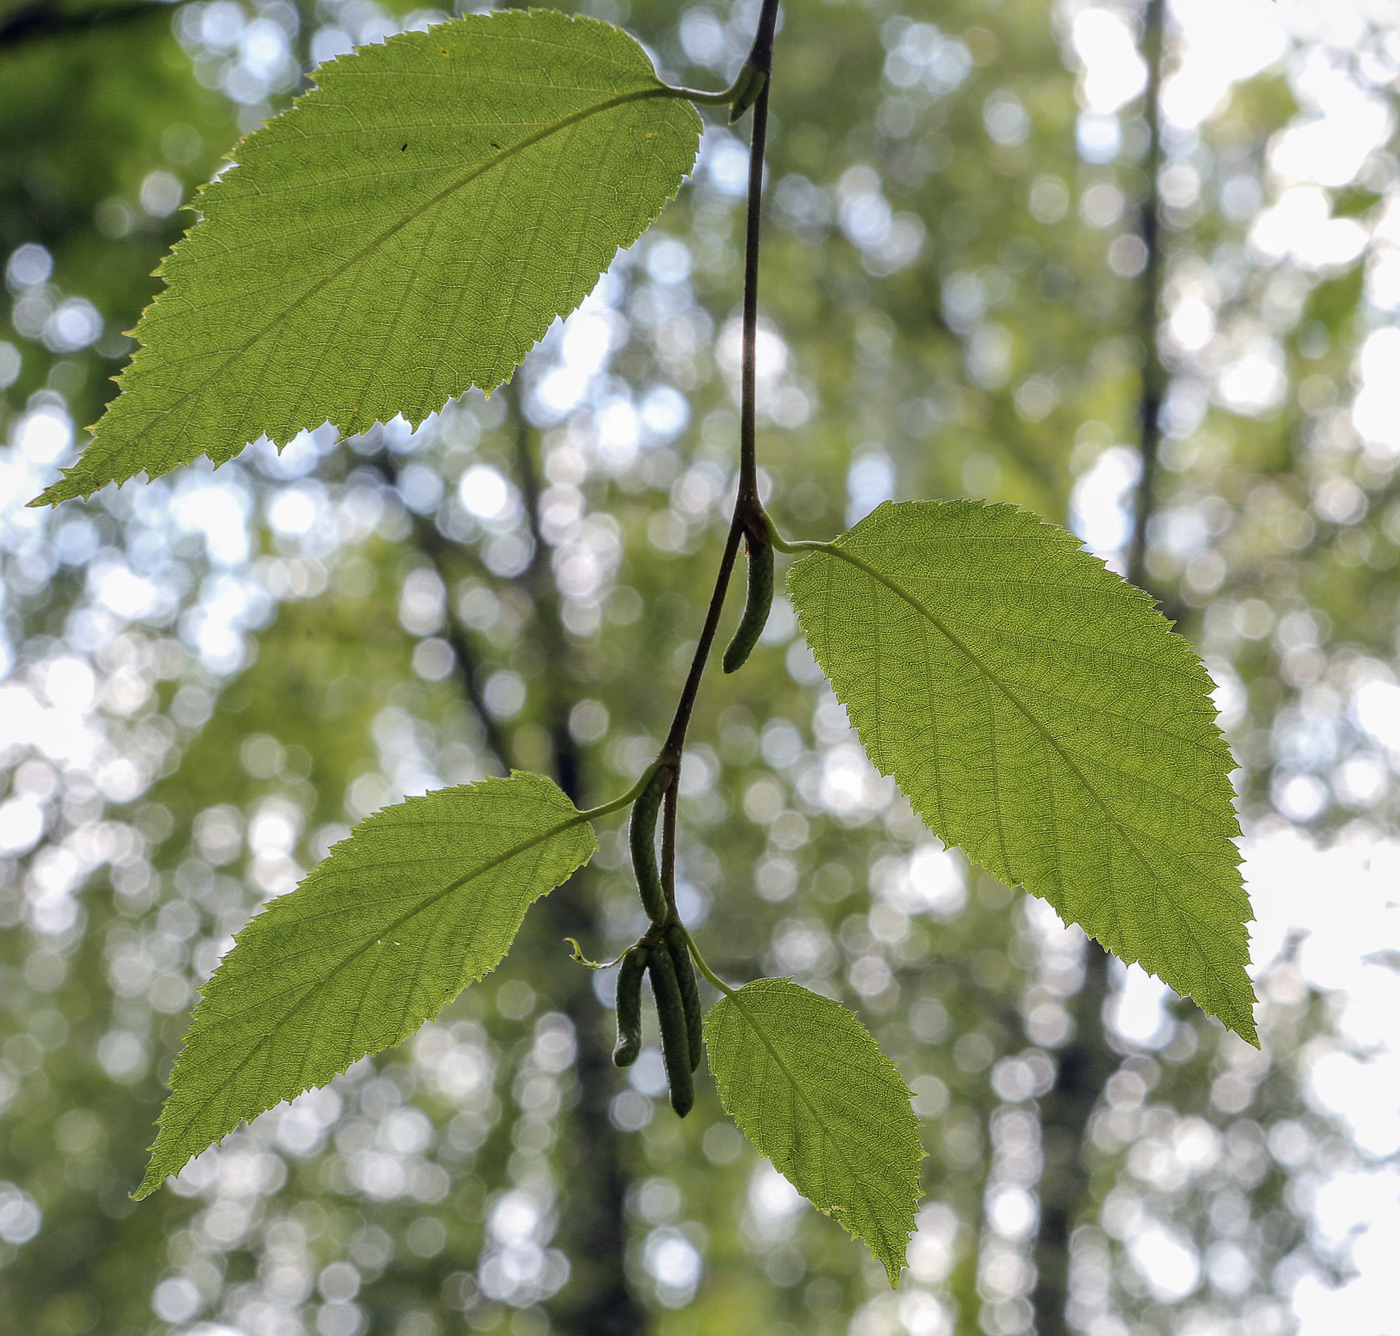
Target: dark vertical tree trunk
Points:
(36, 22)
(1086, 1062)
(1154, 372)
(597, 1301)
(592, 1233)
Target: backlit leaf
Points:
(1038, 711)
(810, 1088)
(408, 230)
(421, 900)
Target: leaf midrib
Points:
(1206, 963)
(325, 979)
(851, 558)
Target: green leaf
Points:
(1038, 711)
(811, 1089)
(423, 899)
(408, 230)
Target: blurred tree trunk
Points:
(1086, 1062)
(35, 22)
(592, 1232)
(597, 1301)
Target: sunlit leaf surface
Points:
(1038, 711)
(811, 1089)
(423, 899)
(407, 231)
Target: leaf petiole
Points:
(702, 966)
(739, 95)
(790, 545)
(616, 804)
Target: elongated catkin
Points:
(756, 609)
(629, 1006)
(690, 992)
(675, 1037)
(641, 837)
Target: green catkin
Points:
(641, 836)
(675, 1036)
(629, 1007)
(756, 609)
(690, 992)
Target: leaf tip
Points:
(1244, 1026)
(65, 489)
(155, 1176)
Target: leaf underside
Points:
(810, 1088)
(421, 900)
(405, 232)
(1038, 711)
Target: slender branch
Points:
(748, 512)
(670, 800)
(761, 58)
(675, 739)
(748, 519)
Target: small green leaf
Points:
(423, 899)
(408, 230)
(810, 1088)
(1038, 711)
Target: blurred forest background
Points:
(1132, 265)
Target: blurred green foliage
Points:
(211, 677)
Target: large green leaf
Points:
(811, 1089)
(1038, 711)
(424, 898)
(405, 232)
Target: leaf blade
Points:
(849, 1141)
(349, 964)
(346, 270)
(1036, 710)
